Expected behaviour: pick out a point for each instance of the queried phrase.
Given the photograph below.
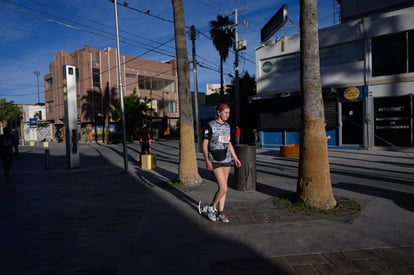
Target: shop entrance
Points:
(352, 124)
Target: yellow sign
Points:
(351, 93)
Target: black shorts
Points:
(145, 146)
(218, 164)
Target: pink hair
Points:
(220, 107)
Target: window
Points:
(287, 63)
(393, 54)
(50, 106)
(329, 56)
(144, 82)
(141, 82)
(49, 84)
(342, 54)
(411, 51)
(96, 78)
(154, 83)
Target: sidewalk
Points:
(99, 220)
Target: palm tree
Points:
(109, 101)
(8, 110)
(187, 169)
(314, 181)
(98, 107)
(223, 39)
(134, 115)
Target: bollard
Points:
(148, 162)
(245, 176)
(46, 158)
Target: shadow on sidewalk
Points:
(97, 219)
(402, 199)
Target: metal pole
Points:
(93, 99)
(151, 131)
(37, 73)
(121, 91)
(236, 69)
(193, 38)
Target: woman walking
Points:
(7, 142)
(218, 154)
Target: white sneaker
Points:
(222, 217)
(202, 208)
(212, 213)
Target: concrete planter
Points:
(289, 150)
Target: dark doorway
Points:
(352, 126)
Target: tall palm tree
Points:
(314, 181)
(109, 101)
(8, 110)
(98, 107)
(187, 169)
(223, 39)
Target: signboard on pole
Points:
(32, 122)
(274, 24)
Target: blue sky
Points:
(32, 31)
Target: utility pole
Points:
(239, 45)
(197, 118)
(236, 70)
(37, 74)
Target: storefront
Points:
(367, 75)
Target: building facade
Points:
(31, 125)
(97, 87)
(367, 74)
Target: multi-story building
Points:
(367, 75)
(97, 87)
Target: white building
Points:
(367, 74)
(33, 127)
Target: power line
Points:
(81, 26)
(148, 13)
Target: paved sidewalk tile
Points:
(369, 261)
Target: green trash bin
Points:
(245, 175)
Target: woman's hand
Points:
(209, 165)
(237, 163)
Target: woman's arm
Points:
(234, 155)
(209, 165)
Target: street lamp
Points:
(37, 73)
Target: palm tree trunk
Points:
(221, 79)
(187, 169)
(314, 182)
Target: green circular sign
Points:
(267, 66)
